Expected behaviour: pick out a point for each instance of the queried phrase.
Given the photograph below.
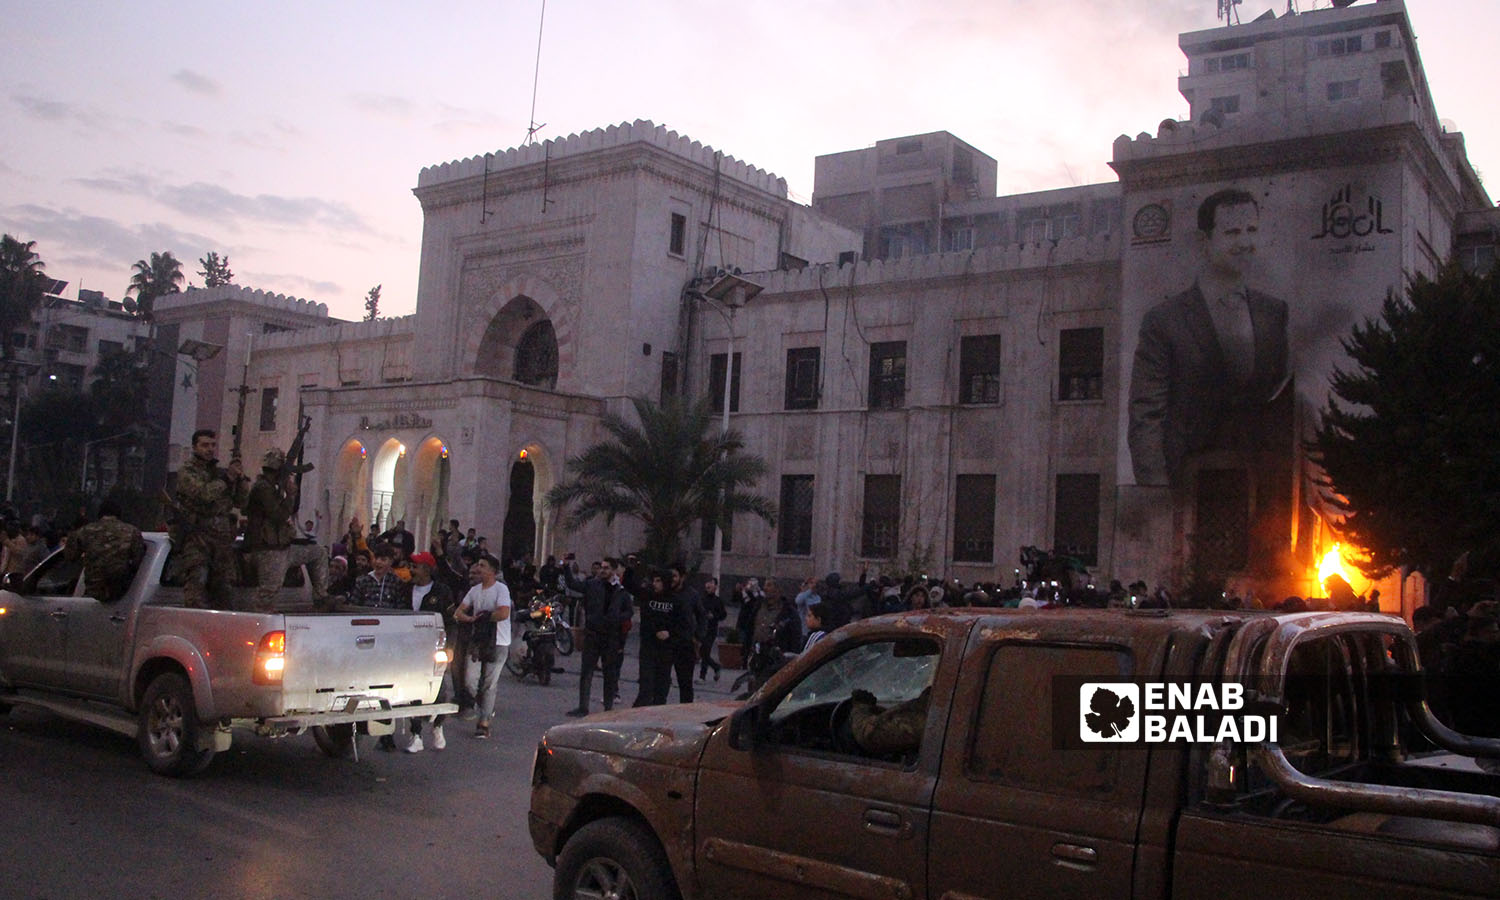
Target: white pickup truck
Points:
(179, 680)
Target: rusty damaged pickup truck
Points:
(1007, 788)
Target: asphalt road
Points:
(83, 816)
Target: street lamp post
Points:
(18, 371)
(733, 292)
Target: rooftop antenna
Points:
(1229, 11)
(534, 127)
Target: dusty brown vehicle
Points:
(1362, 794)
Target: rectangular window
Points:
(888, 375)
(802, 377)
(1225, 105)
(1340, 46)
(268, 408)
(882, 519)
(677, 242)
(669, 376)
(1075, 529)
(909, 145)
(110, 348)
(1080, 364)
(979, 369)
(716, 383)
(974, 519)
(1343, 90)
(70, 338)
(794, 531)
(959, 237)
(1382, 39)
(706, 543)
(1221, 535)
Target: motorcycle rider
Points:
(606, 604)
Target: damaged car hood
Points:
(665, 734)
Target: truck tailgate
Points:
(385, 654)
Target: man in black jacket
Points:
(606, 605)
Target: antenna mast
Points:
(534, 127)
(1229, 11)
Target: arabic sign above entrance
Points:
(394, 423)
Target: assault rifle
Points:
(292, 463)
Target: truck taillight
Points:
(440, 660)
(270, 659)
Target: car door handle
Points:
(58, 614)
(1075, 853)
(883, 821)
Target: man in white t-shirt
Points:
(487, 607)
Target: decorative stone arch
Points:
(544, 476)
(351, 487)
(500, 321)
(429, 479)
(389, 485)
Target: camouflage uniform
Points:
(896, 730)
(269, 538)
(204, 536)
(111, 551)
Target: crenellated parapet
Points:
(1103, 248)
(195, 296)
(639, 131)
(399, 327)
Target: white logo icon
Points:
(1109, 712)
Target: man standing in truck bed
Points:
(111, 551)
(204, 533)
(272, 503)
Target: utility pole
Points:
(243, 390)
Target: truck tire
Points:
(168, 734)
(614, 857)
(336, 741)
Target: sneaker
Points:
(482, 732)
(416, 744)
(576, 712)
(438, 741)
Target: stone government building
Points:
(927, 367)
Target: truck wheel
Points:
(336, 741)
(613, 857)
(168, 734)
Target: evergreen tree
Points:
(1410, 442)
(372, 304)
(215, 270)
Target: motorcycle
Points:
(539, 645)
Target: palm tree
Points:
(157, 278)
(22, 287)
(673, 469)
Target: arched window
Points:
(536, 356)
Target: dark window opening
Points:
(1075, 529)
(1221, 539)
(802, 377)
(716, 383)
(974, 519)
(888, 375)
(268, 408)
(1080, 364)
(979, 369)
(669, 376)
(677, 243)
(882, 519)
(536, 356)
(794, 531)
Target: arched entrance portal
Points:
(518, 538)
(428, 507)
(388, 485)
(350, 483)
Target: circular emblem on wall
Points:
(1151, 222)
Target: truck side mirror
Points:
(744, 728)
(14, 581)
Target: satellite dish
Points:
(129, 304)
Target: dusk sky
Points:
(289, 136)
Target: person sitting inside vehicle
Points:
(895, 731)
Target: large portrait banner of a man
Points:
(1235, 297)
